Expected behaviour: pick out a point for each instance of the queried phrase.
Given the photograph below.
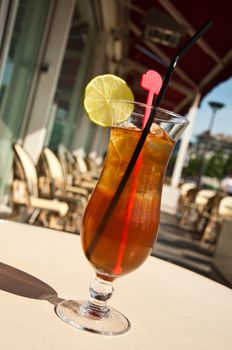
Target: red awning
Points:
(207, 64)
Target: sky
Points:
(223, 120)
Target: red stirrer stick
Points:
(152, 82)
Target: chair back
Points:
(27, 168)
(225, 207)
(186, 187)
(81, 165)
(204, 200)
(203, 196)
(54, 170)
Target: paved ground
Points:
(177, 245)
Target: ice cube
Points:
(156, 130)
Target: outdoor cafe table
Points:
(169, 307)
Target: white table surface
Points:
(169, 307)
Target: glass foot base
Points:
(70, 312)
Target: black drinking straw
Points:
(143, 136)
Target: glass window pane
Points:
(18, 75)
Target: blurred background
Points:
(50, 151)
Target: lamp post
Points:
(215, 107)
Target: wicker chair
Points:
(222, 212)
(25, 195)
(187, 196)
(53, 172)
(94, 164)
(197, 210)
(82, 175)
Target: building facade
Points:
(50, 49)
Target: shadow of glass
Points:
(18, 282)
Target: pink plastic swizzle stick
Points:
(152, 82)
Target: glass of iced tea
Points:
(128, 235)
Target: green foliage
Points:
(215, 166)
(228, 165)
(193, 167)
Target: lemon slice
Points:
(107, 100)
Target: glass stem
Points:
(100, 291)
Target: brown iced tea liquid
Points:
(130, 232)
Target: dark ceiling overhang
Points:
(206, 65)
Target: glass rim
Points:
(180, 118)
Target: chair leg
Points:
(74, 217)
(34, 216)
(210, 234)
(55, 222)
